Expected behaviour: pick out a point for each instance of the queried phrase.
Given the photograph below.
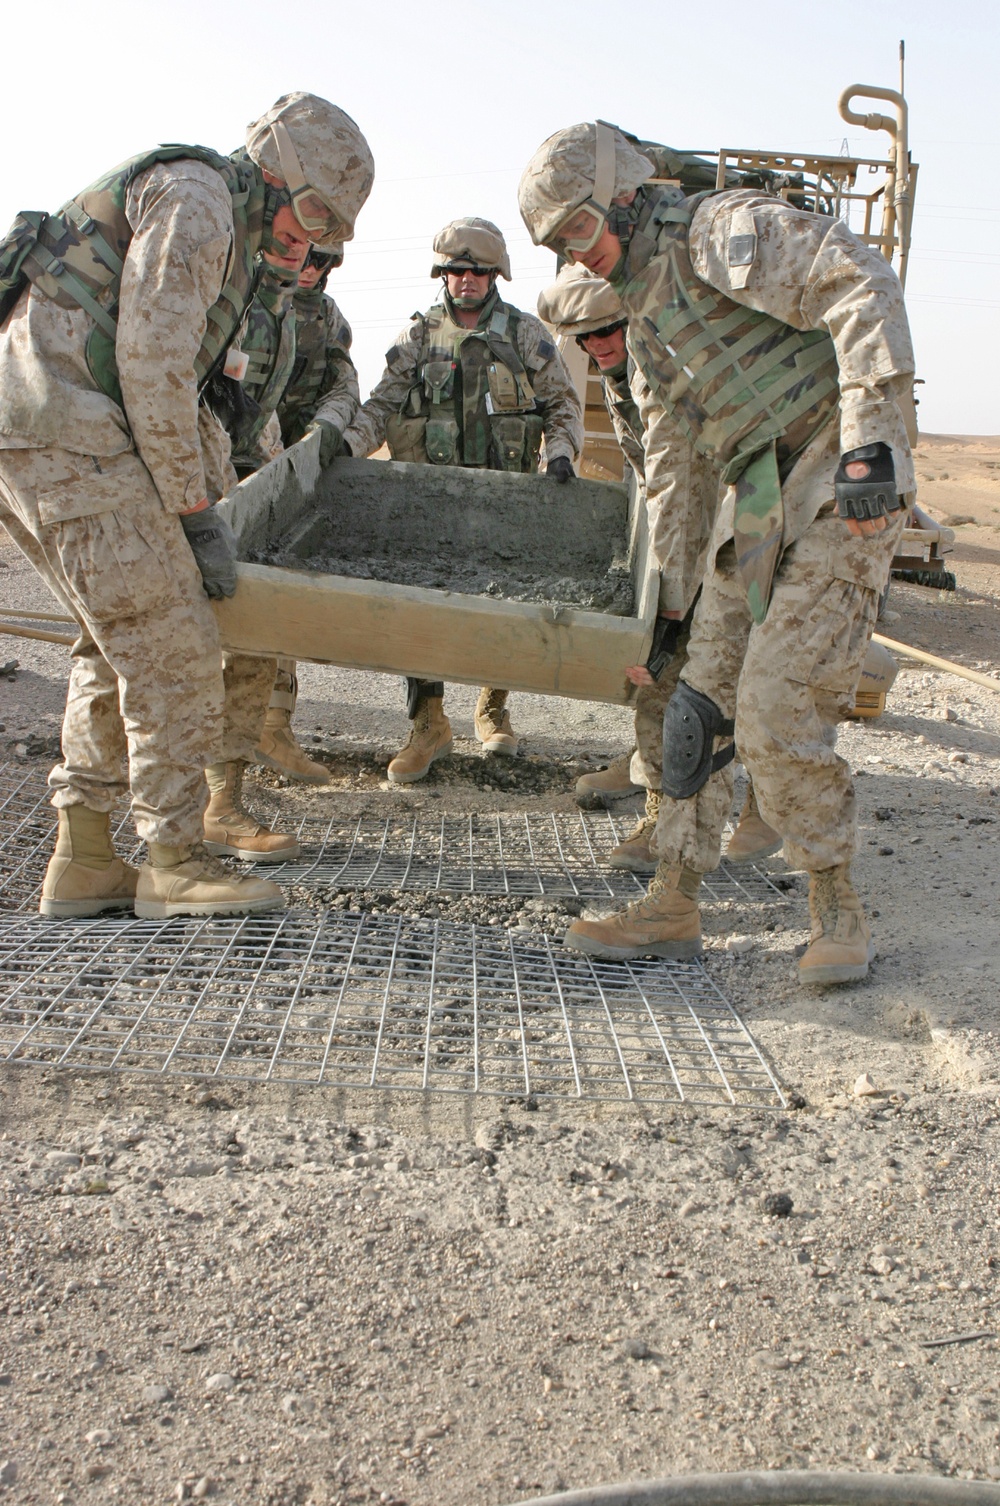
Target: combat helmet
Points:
(323, 159)
(581, 166)
(470, 242)
(579, 302)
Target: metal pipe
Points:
(783, 1488)
(898, 179)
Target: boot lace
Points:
(211, 866)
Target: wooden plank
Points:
(359, 624)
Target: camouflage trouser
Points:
(789, 680)
(146, 671)
(647, 760)
(248, 685)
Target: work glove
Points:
(213, 545)
(560, 469)
(871, 496)
(331, 441)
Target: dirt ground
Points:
(285, 1296)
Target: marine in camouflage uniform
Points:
(116, 310)
(586, 307)
(473, 382)
(777, 343)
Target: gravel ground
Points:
(275, 1296)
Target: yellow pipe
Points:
(932, 659)
(8, 630)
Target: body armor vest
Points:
(76, 257)
(618, 398)
(735, 380)
(267, 339)
(311, 377)
(471, 403)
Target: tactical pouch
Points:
(14, 248)
(503, 389)
(439, 381)
(508, 442)
(233, 406)
(405, 438)
(441, 441)
(533, 428)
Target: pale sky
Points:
(455, 99)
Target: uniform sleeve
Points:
(367, 430)
(181, 214)
(341, 393)
(814, 273)
(562, 412)
(682, 490)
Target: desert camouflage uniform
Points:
(91, 498)
(787, 678)
(558, 403)
(324, 381)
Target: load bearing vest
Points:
(735, 380)
(307, 383)
(77, 256)
(267, 338)
(471, 402)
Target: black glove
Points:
(236, 411)
(560, 469)
(874, 495)
(331, 441)
(213, 545)
(665, 635)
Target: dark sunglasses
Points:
(600, 334)
(476, 271)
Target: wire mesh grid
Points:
(560, 854)
(361, 1001)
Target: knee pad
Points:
(691, 723)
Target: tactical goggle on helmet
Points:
(317, 218)
(583, 226)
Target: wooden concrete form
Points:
(370, 624)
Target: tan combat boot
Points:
(753, 838)
(189, 881)
(230, 830)
(605, 786)
(634, 853)
(493, 726)
(666, 923)
(279, 750)
(84, 877)
(841, 945)
(429, 739)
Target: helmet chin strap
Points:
(274, 199)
